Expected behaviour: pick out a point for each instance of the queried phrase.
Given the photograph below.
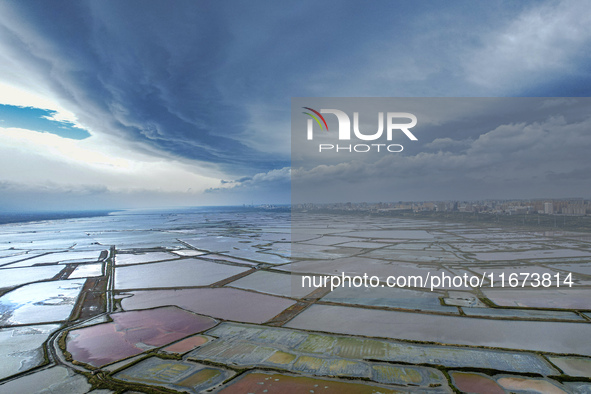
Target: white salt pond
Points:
(12, 256)
(307, 251)
(583, 268)
(258, 255)
(10, 277)
(362, 245)
(531, 254)
(41, 302)
(188, 252)
(130, 258)
(521, 272)
(21, 348)
(396, 234)
(181, 273)
(87, 271)
(523, 314)
(273, 283)
(222, 303)
(219, 257)
(328, 240)
(419, 256)
(218, 244)
(372, 267)
(61, 257)
(52, 380)
(390, 297)
(562, 298)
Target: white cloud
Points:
(540, 44)
(268, 130)
(274, 178)
(20, 97)
(448, 143)
(37, 158)
(538, 159)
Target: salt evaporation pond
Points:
(21, 348)
(180, 273)
(562, 298)
(372, 267)
(390, 297)
(470, 382)
(187, 344)
(531, 254)
(523, 314)
(273, 283)
(584, 268)
(61, 257)
(132, 333)
(223, 303)
(10, 277)
(256, 382)
(395, 234)
(177, 375)
(245, 343)
(87, 271)
(555, 337)
(56, 379)
(328, 240)
(188, 252)
(526, 385)
(129, 258)
(42, 302)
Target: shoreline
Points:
(28, 217)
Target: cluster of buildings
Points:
(569, 207)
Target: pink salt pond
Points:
(186, 344)
(131, 333)
(475, 383)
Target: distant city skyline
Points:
(572, 206)
(136, 104)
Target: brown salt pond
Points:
(573, 366)
(475, 383)
(260, 382)
(131, 333)
(542, 386)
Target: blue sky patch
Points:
(38, 119)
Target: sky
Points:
(469, 148)
(109, 104)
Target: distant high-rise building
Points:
(548, 208)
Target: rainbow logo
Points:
(315, 118)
